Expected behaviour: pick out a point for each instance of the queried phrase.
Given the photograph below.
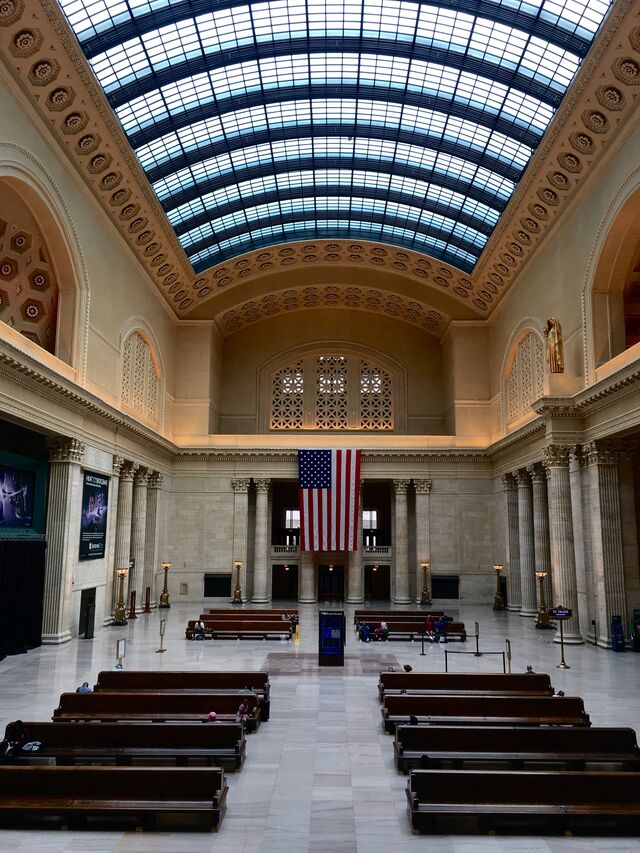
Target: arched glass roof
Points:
(405, 122)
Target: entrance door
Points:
(87, 613)
(284, 583)
(330, 582)
(377, 583)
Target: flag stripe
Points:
(329, 484)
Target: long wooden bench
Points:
(469, 683)
(196, 682)
(574, 748)
(410, 630)
(484, 710)
(235, 613)
(161, 797)
(457, 800)
(156, 707)
(242, 629)
(222, 744)
(386, 615)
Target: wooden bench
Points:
(242, 612)
(243, 629)
(394, 615)
(455, 800)
(574, 748)
(239, 628)
(410, 630)
(162, 797)
(156, 707)
(222, 744)
(469, 683)
(484, 710)
(196, 682)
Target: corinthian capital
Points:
(557, 455)
(240, 484)
(508, 481)
(117, 464)
(128, 470)
(66, 450)
(423, 487)
(401, 487)
(155, 480)
(141, 477)
(262, 485)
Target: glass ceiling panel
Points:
(409, 122)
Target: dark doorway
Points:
(284, 582)
(503, 589)
(377, 583)
(330, 582)
(87, 613)
(445, 586)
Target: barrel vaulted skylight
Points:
(403, 122)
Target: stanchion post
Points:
(162, 649)
(422, 641)
(563, 664)
(508, 645)
(446, 660)
(147, 600)
(560, 614)
(132, 606)
(478, 653)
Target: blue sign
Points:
(561, 613)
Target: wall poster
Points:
(93, 525)
(17, 488)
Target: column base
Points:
(401, 601)
(56, 639)
(358, 600)
(307, 601)
(514, 608)
(530, 613)
(570, 639)
(260, 601)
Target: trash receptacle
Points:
(617, 634)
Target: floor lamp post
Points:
(425, 598)
(498, 601)
(542, 619)
(120, 613)
(164, 597)
(237, 592)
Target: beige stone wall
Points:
(415, 353)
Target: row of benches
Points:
(125, 792)
(498, 750)
(244, 624)
(407, 624)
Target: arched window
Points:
(332, 392)
(140, 378)
(524, 381)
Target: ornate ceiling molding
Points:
(333, 296)
(40, 51)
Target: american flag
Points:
(329, 485)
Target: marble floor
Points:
(319, 776)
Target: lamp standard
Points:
(498, 601)
(237, 592)
(164, 597)
(542, 618)
(120, 614)
(425, 598)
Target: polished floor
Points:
(319, 776)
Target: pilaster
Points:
(308, 593)
(423, 528)
(527, 551)
(154, 491)
(541, 540)
(355, 582)
(110, 576)
(138, 529)
(240, 486)
(63, 535)
(510, 488)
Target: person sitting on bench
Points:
(441, 629)
(382, 632)
(364, 633)
(428, 628)
(199, 630)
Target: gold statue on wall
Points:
(555, 355)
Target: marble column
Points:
(628, 450)
(541, 541)
(260, 553)
(513, 542)
(138, 529)
(240, 488)
(563, 561)
(123, 526)
(110, 581)
(63, 536)
(580, 514)
(401, 544)
(527, 552)
(423, 530)
(151, 536)
(308, 593)
(606, 537)
(355, 586)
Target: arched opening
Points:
(38, 281)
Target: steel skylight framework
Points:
(404, 122)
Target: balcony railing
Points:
(284, 549)
(381, 550)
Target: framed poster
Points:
(17, 488)
(93, 524)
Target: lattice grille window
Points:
(140, 378)
(525, 382)
(375, 398)
(287, 401)
(332, 392)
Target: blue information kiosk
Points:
(331, 638)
